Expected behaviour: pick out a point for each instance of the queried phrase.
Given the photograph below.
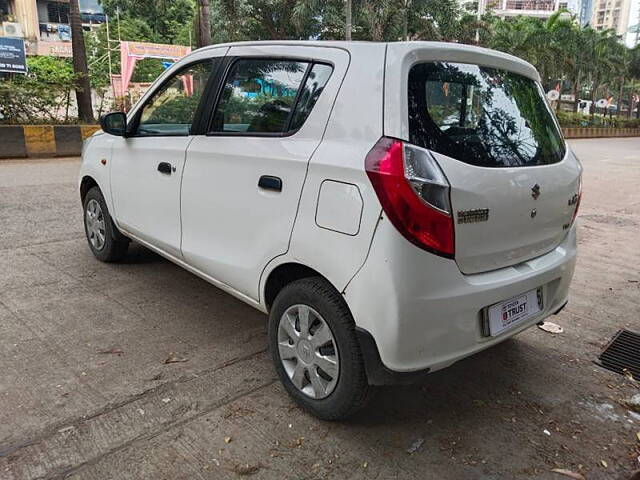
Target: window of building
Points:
(4, 8)
(58, 12)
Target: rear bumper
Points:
(422, 313)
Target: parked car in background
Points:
(394, 208)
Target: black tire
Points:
(115, 244)
(351, 391)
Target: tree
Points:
(83, 88)
(326, 19)
(591, 63)
(436, 20)
(132, 29)
(40, 95)
(272, 19)
(204, 26)
(382, 18)
(348, 24)
(165, 18)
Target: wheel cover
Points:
(308, 351)
(94, 221)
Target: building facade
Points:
(531, 8)
(611, 14)
(44, 24)
(586, 9)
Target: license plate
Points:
(515, 310)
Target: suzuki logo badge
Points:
(535, 191)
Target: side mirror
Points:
(114, 124)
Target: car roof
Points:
(464, 51)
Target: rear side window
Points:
(317, 79)
(482, 116)
(262, 96)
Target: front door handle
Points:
(165, 167)
(269, 182)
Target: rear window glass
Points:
(482, 116)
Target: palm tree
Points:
(567, 35)
(348, 20)
(83, 87)
(622, 70)
(604, 52)
(381, 16)
(204, 25)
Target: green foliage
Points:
(590, 63)
(165, 18)
(39, 96)
(586, 63)
(51, 71)
(132, 29)
(178, 110)
(235, 20)
(572, 119)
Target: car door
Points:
(146, 166)
(243, 179)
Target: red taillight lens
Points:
(575, 212)
(414, 194)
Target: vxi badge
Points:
(473, 216)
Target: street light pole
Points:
(479, 19)
(347, 27)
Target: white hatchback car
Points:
(392, 207)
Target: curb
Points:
(33, 141)
(599, 132)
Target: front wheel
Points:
(315, 350)
(105, 241)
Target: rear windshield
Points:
(482, 116)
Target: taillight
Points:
(414, 194)
(578, 199)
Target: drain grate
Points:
(622, 353)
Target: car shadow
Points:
(138, 254)
(480, 390)
(487, 387)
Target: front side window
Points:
(172, 108)
(259, 96)
(482, 116)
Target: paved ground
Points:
(85, 391)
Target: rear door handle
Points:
(165, 167)
(269, 182)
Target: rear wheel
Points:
(315, 349)
(105, 241)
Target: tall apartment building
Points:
(44, 24)
(585, 11)
(531, 8)
(633, 37)
(611, 14)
